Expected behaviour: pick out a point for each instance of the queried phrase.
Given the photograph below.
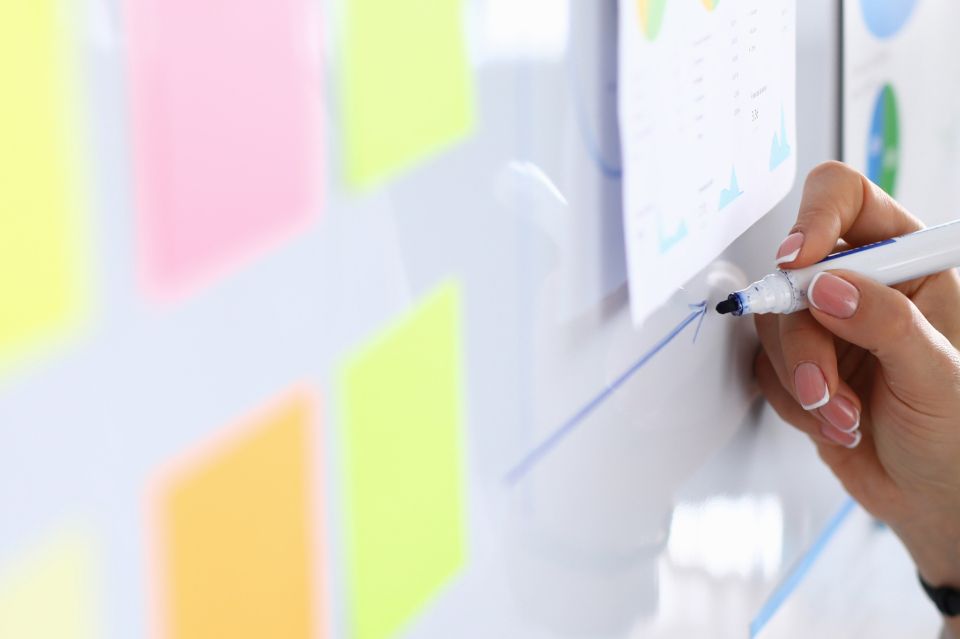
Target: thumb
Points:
(916, 358)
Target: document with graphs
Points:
(708, 121)
(901, 100)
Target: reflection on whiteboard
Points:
(707, 118)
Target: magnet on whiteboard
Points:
(525, 188)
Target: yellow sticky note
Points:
(236, 533)
(53, 592)
(41, 281)
(404, 466)
(406, 85)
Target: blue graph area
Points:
(669, 239)
(780, 149)
(885, 18)
(732, 192)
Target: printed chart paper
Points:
(226, 111)
(406, 87)
(236, 533)
(42, 276)
(707, 116)
(404, 474)
(54, 591)
(901, 102)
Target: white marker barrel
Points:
(889, 262)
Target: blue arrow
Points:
(534, 457)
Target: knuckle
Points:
(892, 326)
(945, 359)
(829, 171)
(947, 362)
(900, 320)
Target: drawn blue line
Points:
(800, 570)
(525, 465)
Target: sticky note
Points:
(406, 88)
(225, 100)
(235, 533)
(53, 591)
(402, 423)
(42, 271)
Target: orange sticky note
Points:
(226, 112)
(235, 531)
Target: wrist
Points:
(935, 549)
(952, 628)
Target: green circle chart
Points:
(883, 145)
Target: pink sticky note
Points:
(227, 143)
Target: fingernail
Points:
(812, 390)
(842, 413)
(847, 440)
(790, 248)
(833, 295)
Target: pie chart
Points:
(651, 16)
(885, 18)
(883, 145)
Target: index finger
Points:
(841, 203)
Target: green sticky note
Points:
(406, 86)
(404, 475)
(42, 270)
(52, 592)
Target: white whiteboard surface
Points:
(616, 530)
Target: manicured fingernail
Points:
(847, 440)
(790, 248)
(812, 390)
(833, 295)
(842, 413)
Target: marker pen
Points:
(889, 262)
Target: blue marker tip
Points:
(731, 305)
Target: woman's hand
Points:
(871, 373)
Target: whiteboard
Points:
(599, 457)
(881, 65)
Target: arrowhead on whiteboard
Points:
(701, 309)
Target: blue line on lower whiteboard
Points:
(800, 570)
(519, 471)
